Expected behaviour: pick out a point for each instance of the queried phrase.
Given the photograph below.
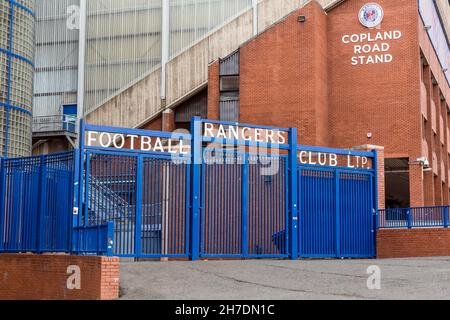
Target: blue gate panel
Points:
(37, 197)
(267, 207)
(317, 216)
(110, 195)
(356, 215)
(57, 218)
(21, 212)
(221, 216)
(164, 208)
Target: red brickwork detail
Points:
(300, 75)
(213, 91)
(283, 79)
(44, 277)
(416, 182)
(402, 243)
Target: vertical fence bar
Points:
(293, 194)
(408, 212)
(75, 209)
(42, 196)
(375, 200)
(138, 208)
(196, 160)
(110, 239)
(445, 218)
(338, 213)
(2, 201)
(244, 204)
(82, 175)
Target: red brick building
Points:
(343, 84)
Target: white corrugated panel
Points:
(56, 56)
(123, 44)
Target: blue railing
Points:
(36, 203)
(419, 217)
(36, 208)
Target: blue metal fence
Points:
(36, 203)
(94, 240)
(223, 198)
(36, 207)
(419, 217)
(338, 205)
(144, 193)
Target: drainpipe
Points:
(255, 17)
(165, 34)
(81, 61)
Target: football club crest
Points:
(371, 15)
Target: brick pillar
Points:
(428, 191)
(214, 91)
(437, 190)
(380, 168)
(416, 192)
(168, 120)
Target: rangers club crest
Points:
(371, 15)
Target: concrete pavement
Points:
(418, 278)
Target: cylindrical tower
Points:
(17, 22)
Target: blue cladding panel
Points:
(70, 109)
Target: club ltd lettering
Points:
(332, 160)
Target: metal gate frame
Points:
(198, 150)
(194, 173)
(337, 171)
(81, 200)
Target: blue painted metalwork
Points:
(337, 207)
(36, 203)
(225, 205)
(293, 195)
(244, 210)
(417, 217)
(213, 203)
(94, 240)
(196, 154)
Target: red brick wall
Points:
(213, 91)
(44, 277)
(402, 243)
(283, 80)
(382, 99)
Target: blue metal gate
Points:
(337, 209)
(145, 195)
(244, 213)
(231, 194)
(36, 196)
(244, 210)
